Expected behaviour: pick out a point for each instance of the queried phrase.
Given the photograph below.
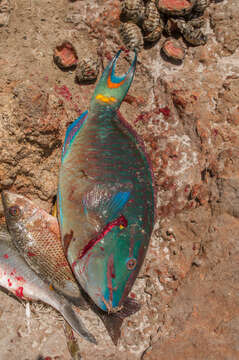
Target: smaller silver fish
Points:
(18, 278)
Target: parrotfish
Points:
(17, 277)
(36, 235)
(105, 195)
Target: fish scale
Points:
(18, 278)
(36, 235)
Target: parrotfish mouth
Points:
(120, 221)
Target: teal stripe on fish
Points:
(72, 131)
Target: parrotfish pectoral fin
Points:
(71, 133)
(111, 89)
(115, 204)
(76, 323)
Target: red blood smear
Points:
(20, 278)
(30, 253)
(5, 256)
(19, 292)
(165, 111)
(132, 295)
(9, 282)
(119, 221)
(64, 92)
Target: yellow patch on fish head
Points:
(106, 99)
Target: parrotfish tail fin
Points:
(130, 307)
(112, 324)
(76, 324)
(113, 321)
(111, 89)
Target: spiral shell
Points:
(132, 10)
(87, 69)
(131, 36)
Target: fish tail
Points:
(111, 89)
(76, 324)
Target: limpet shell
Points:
(152, 25)
(132, 10)
(151, 18)
(154, 35)
(131, 36)
(200, 6)
(65, 56)
(194, 36)
(87, 69)
(173, 50)
(175, 7)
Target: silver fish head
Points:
(18, 210)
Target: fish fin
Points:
(111, 89)
(75, 322)
(130, 307)
(113, 321)
(106, 200)
(4, 234)
(112, 324)
(116, 203)
(54, 209)
(71, 133)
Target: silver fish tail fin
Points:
(111, 89)
(75, 322)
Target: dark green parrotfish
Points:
(105, 195)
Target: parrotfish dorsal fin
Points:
(111, 89)
(71, 133)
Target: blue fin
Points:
(115, 204)
(71, 133)
(106, 203)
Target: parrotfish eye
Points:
(131, 264)
(14, 211)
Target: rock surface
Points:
(188, 117)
